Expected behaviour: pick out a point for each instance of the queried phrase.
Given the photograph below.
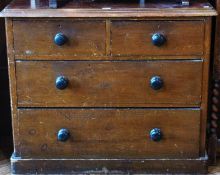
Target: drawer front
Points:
(109, 84)
(135, 37)
(79, 37)
(108, 133)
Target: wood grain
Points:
(84, 37)
(108, 133)
(205, 85)
(5, 167)
(109, 166)
(108, 84)
(104, 106)
(114, 9)
(134, 37)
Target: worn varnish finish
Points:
(83, 37)
(109, 104)
(109, 84)
(113, 9)
(125, 33)
(123, 132)
(88, 37)
(109, 166)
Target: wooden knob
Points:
(63, 135)
(156, 134)
(158, 39)
(61, 82)
(156, 82)
(60, 39)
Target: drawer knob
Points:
(61, 82)
(60, 39)
(156, 82)
(155, 134)
(158, 39)
(63, 135)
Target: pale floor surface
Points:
(215, 169)
(4, 167)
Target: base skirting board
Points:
(107, 166)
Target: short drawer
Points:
(108, 84)
(73, 37)
(108, 133)
(170, 37)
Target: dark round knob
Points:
(60, 39)
(63, 135)
(61, 82)
(158, 39)
(155, 134)
(156, 82)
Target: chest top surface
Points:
(40, 8)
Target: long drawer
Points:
(157, 37)
(108, 84)
(108, 133)
(37, 37)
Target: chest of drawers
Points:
(99, 88)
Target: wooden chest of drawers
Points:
(109, 90)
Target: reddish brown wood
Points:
(125, 33)
(110, 166)
(11, 67)
(109, 84)
(84, 37)
(109, 90)
(123, 132)
(205, 86)
(107, 57)
(114, 9)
